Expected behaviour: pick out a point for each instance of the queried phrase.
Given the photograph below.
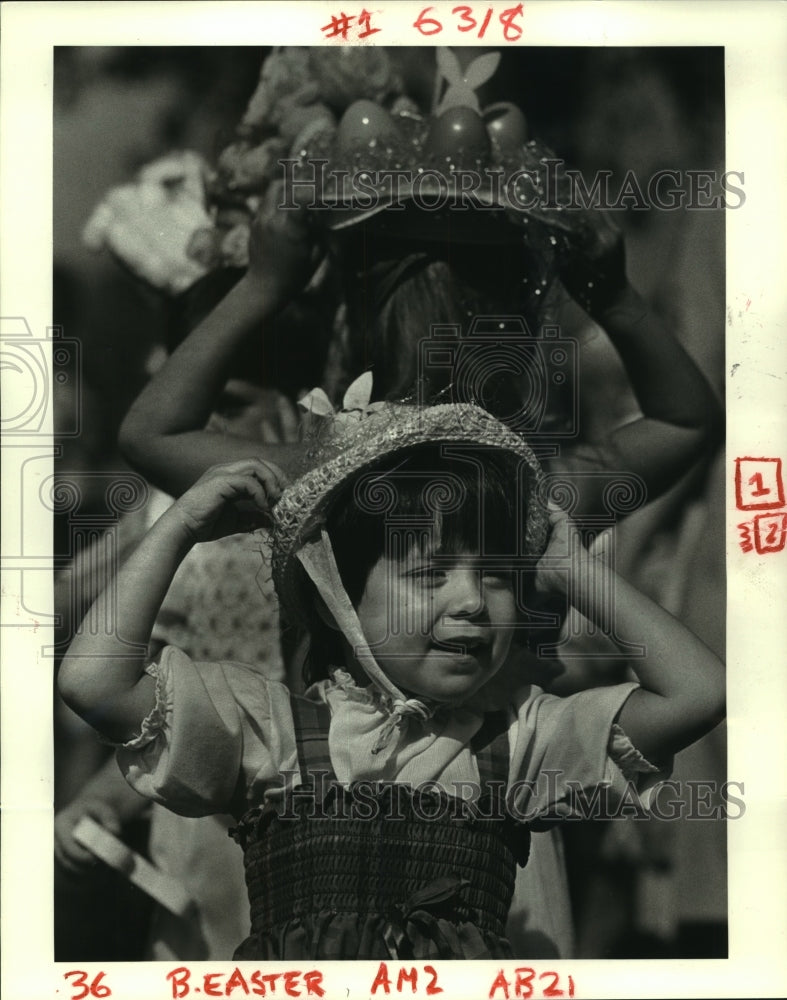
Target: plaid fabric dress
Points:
(379, 870)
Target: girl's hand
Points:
(282, 250)
(594, 269)
(229, 499)
(565, 556)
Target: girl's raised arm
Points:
(102, 677)
(681, 420)
(163, 435)
(682, 687)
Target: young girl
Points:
(383, 813)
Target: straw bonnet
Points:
(362, 436)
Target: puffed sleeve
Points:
(562, 749)
(218, 739)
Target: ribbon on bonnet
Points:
(318, 559)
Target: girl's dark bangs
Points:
(430, 498)
(469, 508)
(484, 528)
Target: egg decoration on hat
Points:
(506, 125)
(365, 124)
(459, 135)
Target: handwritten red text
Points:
(525, 982)
(83, 988)
(465, 18)
(343, 25)
(397, 980)
(759, 486)
(261, 984)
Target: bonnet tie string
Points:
(400, 709)
(318, 559)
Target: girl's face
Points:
(439, 626)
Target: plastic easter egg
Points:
(458, 134)
(506, 124)
(365, 124)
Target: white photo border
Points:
(753, 35)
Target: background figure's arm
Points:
(681, 421)
(165, 434)
(682, 691)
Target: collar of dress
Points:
(368, 739)
(317, 558)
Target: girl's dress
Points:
(406, 852)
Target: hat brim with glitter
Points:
(349, 447)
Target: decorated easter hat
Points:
(338, 127)
(357, 439)
(457, 172)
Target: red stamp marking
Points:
(465, 17)
(339, 25)
(386, 981)
(770, 532)
(759, 486)
(758, 483)
(83, 988)
(290, 983)
(525, 983)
